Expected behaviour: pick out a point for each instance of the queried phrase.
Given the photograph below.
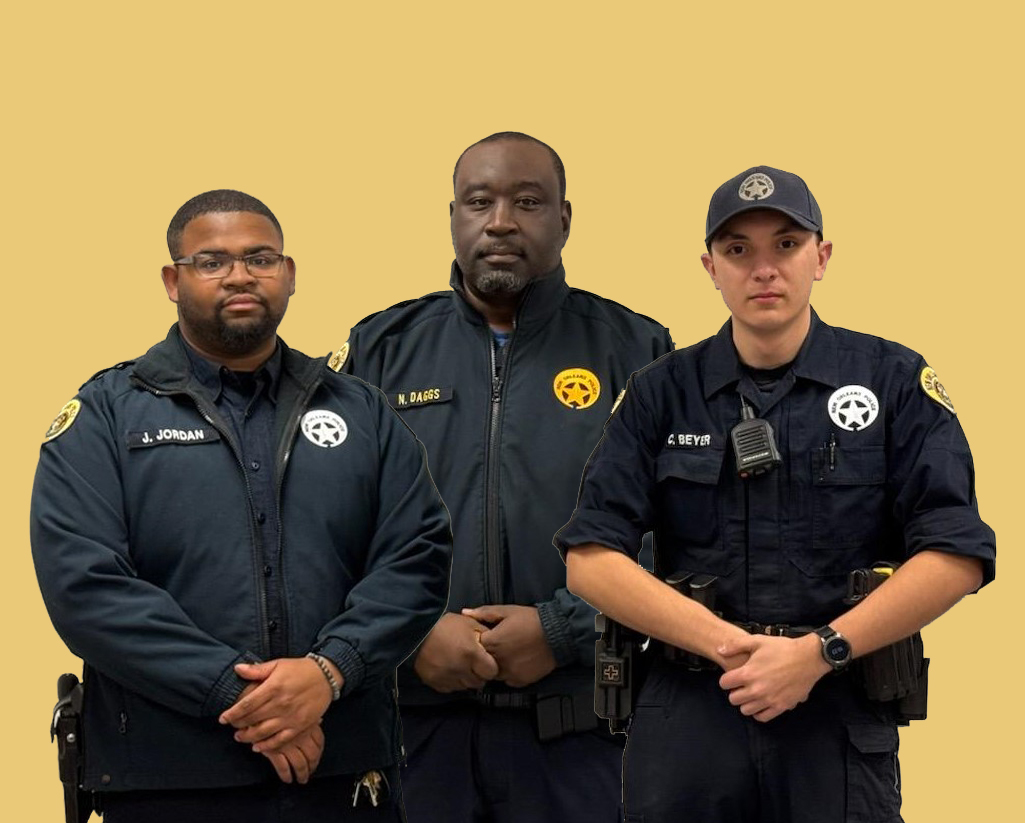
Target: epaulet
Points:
(627, 309)
(124, 364)
(437, 295)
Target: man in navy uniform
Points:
(863, 461)
(242, 545)
(508, 379)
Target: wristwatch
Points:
(836, 651)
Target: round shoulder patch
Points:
(324, 428)
(853, 408)
(577, 388)
(756, 186)
(339, 357)
(63, 420)
(932, 386)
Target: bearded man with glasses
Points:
(242, 545)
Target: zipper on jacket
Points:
(492, 467)
(284, 453)
(254, 536)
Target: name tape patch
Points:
(420, 397)
(171, 436)
(688, 440)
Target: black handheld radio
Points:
(754, 444)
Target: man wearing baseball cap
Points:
(817, 483)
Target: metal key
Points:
(371, 781)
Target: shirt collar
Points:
(816, 359)
(211, 375)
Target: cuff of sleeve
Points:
(592, 526)
(228, 687)
(348, 661)
(558, 632)
(956, 531)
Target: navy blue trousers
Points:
(467, 763)
(692, 757)
(326, 799)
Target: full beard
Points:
(240, 337)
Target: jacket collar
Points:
(166, 366)
(541, 299)
(816, 360)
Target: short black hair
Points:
(560, 170)
(219, 201)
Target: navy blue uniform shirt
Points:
(875, 467)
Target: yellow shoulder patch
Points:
(339, 357)
(63, 420)
(932, 386)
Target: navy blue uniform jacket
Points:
(507, 453)
(148, 557)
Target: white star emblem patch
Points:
(853, 408)
(324, 428)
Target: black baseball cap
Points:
(763, 187)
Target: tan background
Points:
(347, 121)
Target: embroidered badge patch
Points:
(339, 357)
(577, 388)
(853, 408)
(756, 186)
(324, 428)
(932, 386)
(63, 420)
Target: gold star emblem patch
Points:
(577, 388)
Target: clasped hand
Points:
(779, 673)
(279, 714)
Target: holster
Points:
(618, 671)
(897, 673)
(66, 728)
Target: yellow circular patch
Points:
(339, 357)
(932, 386)
(63, 420)
(577, 388)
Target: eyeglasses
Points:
(218, 264)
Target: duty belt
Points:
(774, 629)
(696, 662)
(555, 715)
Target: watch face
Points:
(837, 650)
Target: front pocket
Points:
(848, 496)
(873, 774)
(688, 497)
